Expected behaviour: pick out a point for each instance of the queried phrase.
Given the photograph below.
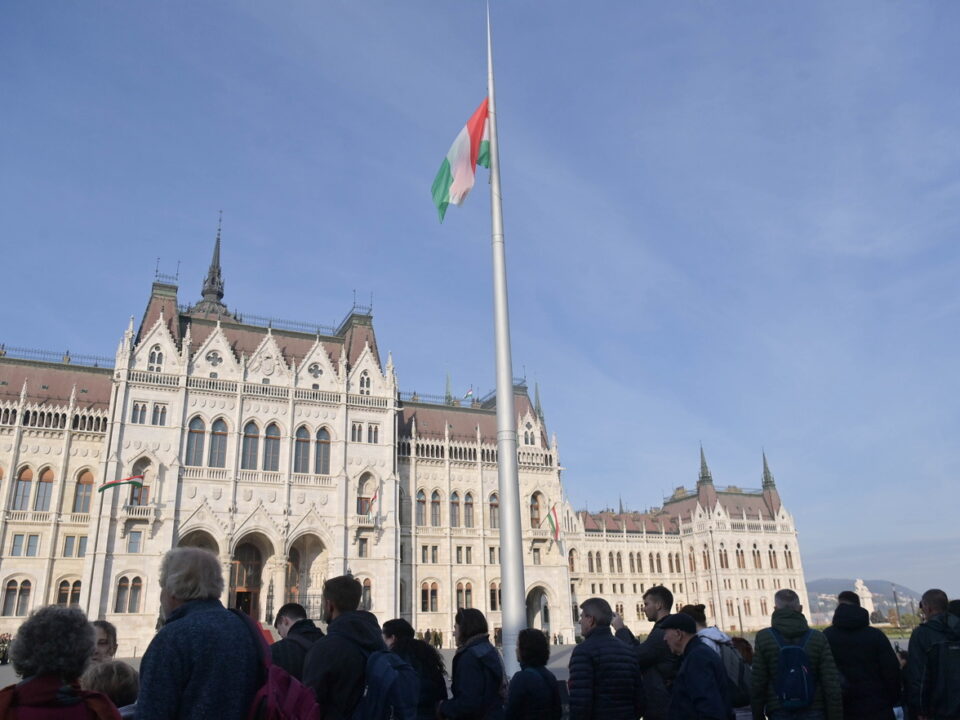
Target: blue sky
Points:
(727, 224)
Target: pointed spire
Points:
(621, 505)
(448, 394)
(705, 474)
(212, 291)
(768, 481)
(536, 400)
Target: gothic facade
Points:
(289, 451)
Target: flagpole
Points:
(513, 591)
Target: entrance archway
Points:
(538, 610)
(200, 539)
(306, 571)
(247, 566)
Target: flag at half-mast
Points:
(456, 175)
(135, 480)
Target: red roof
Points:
(53, 382)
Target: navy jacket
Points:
(335, 667)
(533, 695)
(924, 636)
(604, 679)
(433, 685)
(699, 690)
(290, 652)
(658, 667)
(478, 682)
(202, 664)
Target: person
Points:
(604, 672)
(426, 663)
(953, 607)
(105, 647)
(479, 681)
(865, 660)
(938, 625)
(699, 690)
(714, 638)
(789, 627)
(533, 692)
(428, 637)
(50, 652)
(658, 666)
(297, 636)
(118, 681)
(205, 661)
(745, 649)
(335, 665)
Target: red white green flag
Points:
(136, 480)
(373, 500)
(554, 523)
(456, 175)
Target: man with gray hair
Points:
(204, 663)
(788, 650)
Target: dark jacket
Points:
(922, 639)
(478, 682)
(793, 625)
(533, 695)
(202, 664)
(868, 666)
(658, 667)
(433, 685)
(290, 652)
(604, 679)
(335, 666)
(48, 697)
(700, 688)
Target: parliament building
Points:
(289, 451)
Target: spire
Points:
(448, 394)
(621, 505)
(705, 475)
(768, 481)
(212, 292)
(536, 400)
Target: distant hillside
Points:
(882, 591)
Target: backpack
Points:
(281, 696)
(794, 685)
(392, 688)
(738, 679)
(940, 684)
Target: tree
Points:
(877, 617)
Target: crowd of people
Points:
(207, 661)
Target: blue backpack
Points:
(794, 685)
(392, 689)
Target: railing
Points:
(29, 516)
(323, 396)
(365, 520)
(306, 479)
(367, 400)
(260, 476)
(78, 518)
(430, 399)
(211, 384)
(138, 511)
(266, 390)
(278, 323)
(56, 357)
(202, 473)
(154, 378)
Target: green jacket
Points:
(792, 625)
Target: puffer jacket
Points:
(793, 626)
(868, 666)
(658, 668)
(700, 687)
(604, 679)
(479, 682)
(533, 695)
(924, 636)
(290, 652)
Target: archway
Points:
(306, 571)
(247, 564)
(200, 539)
(538, 610)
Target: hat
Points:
(679, 621)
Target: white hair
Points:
(191, 573)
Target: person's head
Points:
(189, 573)
(698, 613)
(594, 612)
(953, 607)
(106, 641)
(744, 647)
(397, 631)
(933, 602)
(468, 623)
(657, 603)
(53, 641)
(288, 616)
(787, 599)
(341, 594)
(115, 679)
(533, 649)
(678, 630)
(848, 597)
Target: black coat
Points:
(290, 652)
(478, 683)
(336, 664)
(658, 667)
(604, 679)
(533, 695)
(433, 685)
(925, 636)
(868, 666)
(699, 689)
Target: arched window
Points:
(741, 559)
(620, 563)
(322, 459)
(468, 595)
(251, 446)
(610, 562)
(82, 492)
(494, 596)
(218, 444)
(468, 510)
(599, 564)
(21, 492)
(140, 494)
(773, 557)
(590, 562)
(123, 593)
(364, 383)
(536, 500)
(494, 511)
(63, 594)
(364, 489)
(460, 598)
(455, 510)
(366, 599)
(572, 560)
(136, 586)
(195, 435)
(639, 562)
(670, 561)
(301, 451)
(41, 502)
(632, 564)
(155, 360)
(652, 568)
(424, 597)
(271, 448)
(16, 598)
(434, 596)
(421, 508)
(706, 558)
(75, 594)
(435, 509)
(757, 561)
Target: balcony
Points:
(154, 378)
(315, 480)
(260, 476)
(138, 512)
(367, 401)
(78, 519)
(364, 520)
(28, 516)
(202, 473)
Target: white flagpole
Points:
(513, 591)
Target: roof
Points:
(432, 419)
(53, 382)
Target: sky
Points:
(727, 224)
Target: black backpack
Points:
(738, 677)
(940, 684)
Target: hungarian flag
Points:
(132, 480)
(372, 501)
(554, 523)
(456, 174)
(468, 394)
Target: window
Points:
(772, 554)
(82, 492)
(421, 508)
(271, 448)
(195, 435)
(366, 599)
(155, 360)
(322, 460)
(41, 502)
(741, 558)
(536, 556)
(632, 565)
(435, 509)
(706, 558)
(434, 553)
(362, 549)
(364, 503)
(535, 501)
(128, 595)
(138, 415)
(597, 560)
(468, 511)
(69, 545)
(590, 562)
(81, 546)
(159, 414)
(494, 596)
(469, 555)
(423, 553)
(218, 444)
(356, 432)
(134, 540)
(33, 544)
(493, 556)
(139, 494)
(17, 548)
(572, 560)
(251, 446)
(301, 451)
(620, 563)
(763, 606)
(68, 594)
(16, 598)
(373, 434)
(21, 492)
(746, 607)
(757, 561)
(459, 554)
(364, 383)
(494, 511)
(434, 592)
(460, 596)
(455, 510)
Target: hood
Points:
(789, 623)
(361, 627)
(307, 629)
(850, 617)
(715, 634)
(944, 623)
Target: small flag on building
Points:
(468, 394)
(456, 175)
(554, 523)
(373, 500)
(136, 480)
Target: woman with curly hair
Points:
(426, 663)
(50, 652)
